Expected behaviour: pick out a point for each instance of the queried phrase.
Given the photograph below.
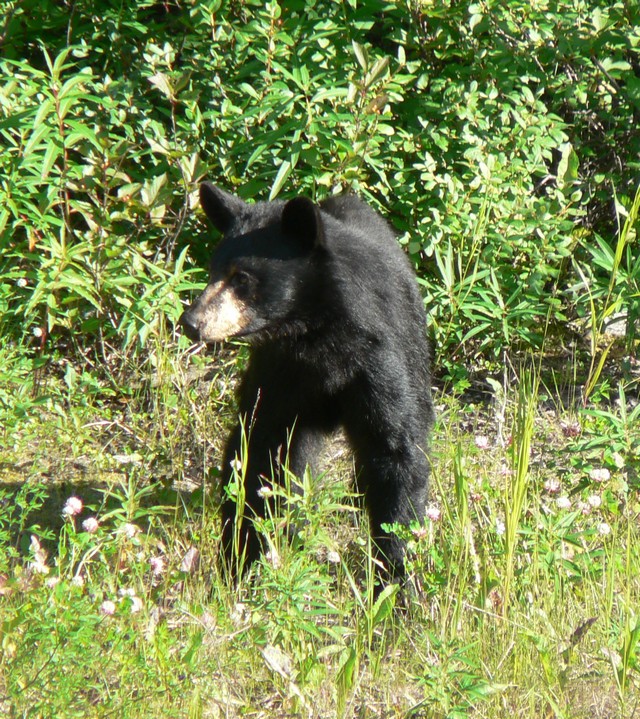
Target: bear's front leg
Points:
(240, 545)
(257, 458)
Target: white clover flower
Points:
(500, 527)
(130, 530)
(604, 529)
(236, 465)
(552, 486)
(108, 608)
(563, 503)
(39, 563)
(136, 604)
(90, 525)
(481, 441)
(333, 557)
(433, 512)
(594, 500)
(72, 507)
(420, 532)
(600, 475)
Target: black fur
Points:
(338, 338)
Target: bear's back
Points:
(355, 214)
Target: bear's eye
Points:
(240, 280)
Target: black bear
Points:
(337, 330)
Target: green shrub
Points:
(486, 132)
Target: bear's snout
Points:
(189, 327)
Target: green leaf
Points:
(383, 607)
(161, 81)
(377, 71)
(475, 20)
(283, 173)
(81, 132)
(361, 55)
(51, 155)
(568, 166)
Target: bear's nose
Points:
(189, 326)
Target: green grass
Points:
(528, 566)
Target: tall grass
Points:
(517, 476)
(622, 265)
(133, 617)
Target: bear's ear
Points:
(219, 206)
(301, 219)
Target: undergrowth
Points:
(525, 574)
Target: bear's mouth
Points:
(246, 334)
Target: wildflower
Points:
(22, 282)
(158, 565)
(563, 503)
(420, 532)
(52, 582)
(482, 441)
(90, 525)
(129, 593)
(78, 581)
(600, 475)
(130, 530)
(433, 512)
(594, 500)
(136, 604)
(552, 485)
(72, 507)
(604, 529)
(39, 563)
(236, 465)
(500, 527)
(108, 608)
(333, 557)
(584, 507)
(265, 492)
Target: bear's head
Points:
(264, 274)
